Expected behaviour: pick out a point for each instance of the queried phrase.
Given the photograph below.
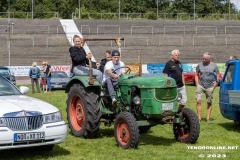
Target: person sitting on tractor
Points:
(112, 71)
(80, 59)
(108, 57)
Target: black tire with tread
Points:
(188, 133)
(91, 105)
(132, 127)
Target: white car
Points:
(26, 121)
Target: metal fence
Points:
(165, 16)
(29, 15)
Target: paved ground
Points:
(23, 80)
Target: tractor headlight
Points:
(53, 117)
(136, 100)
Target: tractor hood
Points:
(147, 81)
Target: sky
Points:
(237, 3)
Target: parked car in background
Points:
(189, 77)
(27, 121)
(5, 71)
(59, 80)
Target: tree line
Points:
(65, 8)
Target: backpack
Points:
(35, 72)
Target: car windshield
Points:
(7, 88)
(58, 75)
(4, 71)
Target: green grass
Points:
(158, 143)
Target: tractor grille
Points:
(164, 94)
(24, 123)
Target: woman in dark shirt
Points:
(80, 59)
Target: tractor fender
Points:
(82, 80)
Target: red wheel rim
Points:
(77, 113)
(123, 133)
(183, 133)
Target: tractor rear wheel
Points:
(83, 111)
(188, 131)
(126, 130)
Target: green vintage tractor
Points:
(142, 102)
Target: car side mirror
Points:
(24, 90)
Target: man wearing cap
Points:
(109, 77)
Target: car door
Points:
(226, 85)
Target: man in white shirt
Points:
(111, 75)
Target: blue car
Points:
(59, 80)
(5, 71)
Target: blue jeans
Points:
(49, 83)
(111, 83)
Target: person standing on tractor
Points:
(80, 59)
(206, 77)
(173, 68)
(112, 71)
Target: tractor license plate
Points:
(167, 106)
(28, 136)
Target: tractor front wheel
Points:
(188, 130)
(126, 130)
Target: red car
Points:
(189, 77)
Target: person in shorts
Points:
(173, 68)
(43, 77)
(206, 78)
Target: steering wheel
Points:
(126, 72)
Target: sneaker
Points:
(114, 102)
(199, 120)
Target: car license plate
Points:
(167, 106)
(57, 86)
(28, 136)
